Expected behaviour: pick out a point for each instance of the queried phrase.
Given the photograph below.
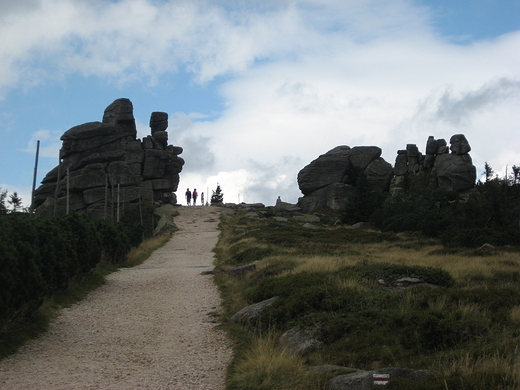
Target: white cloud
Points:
(307, 76)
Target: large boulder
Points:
(327, 169)
(455, 172)
(327, 181)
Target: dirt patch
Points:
(149, 327)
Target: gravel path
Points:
(149, 327)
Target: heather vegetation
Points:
(336, 282)
(48, 262)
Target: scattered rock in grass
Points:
(251, 214)
(236, 271)
(240, 271)
(280, 219)
(309, 226)
(249, 314)
(299, 342)
(358, 225)
(364, 380)
(285, 207)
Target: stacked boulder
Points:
(453, 171)
(327, 181)
(102, 163)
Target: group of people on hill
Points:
(192, 196)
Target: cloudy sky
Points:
(257, 89)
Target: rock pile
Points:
(327, 181)
(102, 163)
(453, 171)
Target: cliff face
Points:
(103, 163)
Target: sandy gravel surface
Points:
(149, 327)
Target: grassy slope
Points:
(466, 330)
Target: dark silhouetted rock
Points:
(327, 181)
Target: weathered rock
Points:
(249, 314)
(378, 174)
(240, 271)
(100, 158)
(309, 226)
(299, 342)
(327, 181)
(327, 169)
(459, 144)
(455, 172)
(285, 207)
(333, 197)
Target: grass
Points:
(16, 331)
(465, 330)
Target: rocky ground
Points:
(149, 327)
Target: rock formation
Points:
(327, 181)
(453, 171)
(102, 163)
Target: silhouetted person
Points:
(188, 197)
(195, 196)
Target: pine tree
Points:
(15, 201)
(217, 196)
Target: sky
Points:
(257, 89)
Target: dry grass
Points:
(138, 255)
(264, 366)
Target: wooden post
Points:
(31, 209)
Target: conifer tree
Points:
(217, 196)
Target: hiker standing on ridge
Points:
(202, 198)
(195, 196)
(188, 197)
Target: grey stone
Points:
(360, 380)
(96, 151)
(379, 173)
(249, 314)
(309, 226)
(327, 169)
(299, 342)
(240, 271)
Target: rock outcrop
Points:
(327, 181)
(453, 171)
(103, 163)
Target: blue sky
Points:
(255, 90)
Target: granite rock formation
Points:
(453, 171)
(327, 181)
(102, 163)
